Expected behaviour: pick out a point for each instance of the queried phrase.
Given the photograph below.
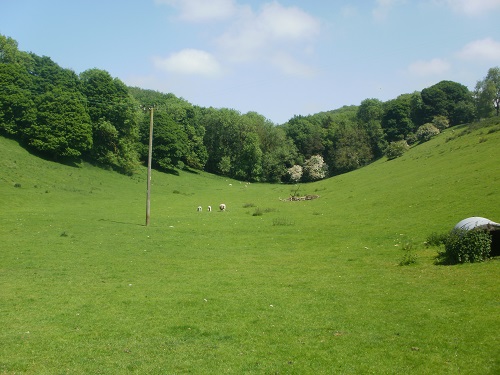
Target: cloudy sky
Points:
(278, 58)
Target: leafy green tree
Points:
(47, 76)
(220, 137)
(487, 94)
(417, 109)
(8, 50)
(351, 149)
(247, 164)
(17, 110)
(464, 112)
(370, 110)
(278, 152)
(113, 111)
(376, 137)
(396, 120)
(307, 135)
(170, 142)
(62, 127)
(444, 98)
(233, 144)
(188, 119)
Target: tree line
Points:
(96, 117)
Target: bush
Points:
(467, 246)
(295, 173)
(314, 168)
(408, 258)
(426, 132)
(441, 122)
(411, 139)
(396, 149)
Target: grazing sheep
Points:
(222, 207)
(199, 208)
(209, 208)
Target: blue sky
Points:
(278, 58)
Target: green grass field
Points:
(267, 287)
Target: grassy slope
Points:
(85, 287)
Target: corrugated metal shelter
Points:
(484, 224)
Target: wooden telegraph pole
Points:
(150, 154)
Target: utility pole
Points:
(150, 154)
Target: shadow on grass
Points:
(69, 161)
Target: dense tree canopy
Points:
(96, 117)
(450, 99)
(396, 120)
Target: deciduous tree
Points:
(487, 94)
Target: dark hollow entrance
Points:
(495, 243)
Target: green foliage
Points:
(440, 122)
(396, 120)
(466, 246)
(351, 149)
(426, 132)
(408, 258)
(450, 99)
(396, 149)
(62, 127)
(487, 94)
(307, 135)
(370, 110)
(221, 141)
(114, 115)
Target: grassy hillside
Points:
(265, 287)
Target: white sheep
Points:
(222, 207)
(209, 208)
(199, 208)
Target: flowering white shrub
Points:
(315, 168)
(426, 132)
(295, 173)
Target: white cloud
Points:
(266, 35)
(484, 50)
(202, 10)
(189, 62)
(290, 23)
(427, 68)
(473, 7)
(257, 35)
